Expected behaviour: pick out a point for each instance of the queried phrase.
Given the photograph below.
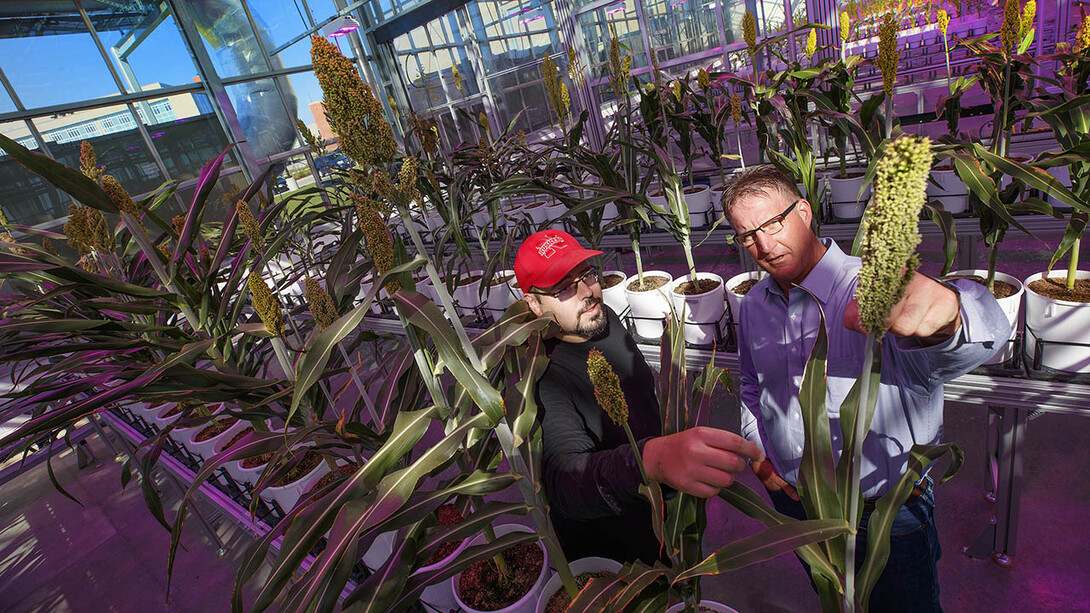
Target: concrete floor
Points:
(110, 555)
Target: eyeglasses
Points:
(590, 277)
(770, 227)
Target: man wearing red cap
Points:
(591, 475)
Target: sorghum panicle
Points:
(944, 22)
(250, 226)
(1012, 22)
(891, 230)
(121, 198)
(888, 52)
(266, 304)
(379, 244)
(845, 24)
(1082, 39)
(703, 79)
(607, 387)
(88, 162)
(811, 44)
(1029, 14)
(735, 107)
(749, 30)
(351, 107)
(47, 246)
(320, 303)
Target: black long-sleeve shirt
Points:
(591, 475)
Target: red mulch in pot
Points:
(560, 600)
(482, 589)
(649, 283)
(332, 476)
(702, 286)
(1056, 288)
(215, 429)
(743, 288)
(310, 461)
(448, 516)
(609, 281)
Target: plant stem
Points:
(635, 451)
(856, 460)
(501, 565)
(1073, 265)
(993, 252)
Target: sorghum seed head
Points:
(607, 387)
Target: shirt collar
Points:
(821, 279)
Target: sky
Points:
(58, 69)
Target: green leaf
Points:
(312, 363)
(748, 502)
(849, 412)
(673, 378)
(423, 314)
(817, 472)
(887, 507)
(945, 221)
(765, 545)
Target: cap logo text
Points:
(548, 247)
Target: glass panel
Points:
(596, 35)
(27, 198)
(220, 201)
(281, 21)
(308, 95)
(733, 13)
(150, 54)
(261, 114)
(117, 142)
(681, 27)
(6, 105)
(513, 33)
(227, 37)
(186, 144)
(63, 52)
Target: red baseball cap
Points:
(546, 257)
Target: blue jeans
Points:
(910, 581)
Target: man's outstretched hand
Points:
(699, 461)
(928, 310)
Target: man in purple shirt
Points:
(937, 332)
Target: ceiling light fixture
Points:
(340, 26)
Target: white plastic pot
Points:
(578, 567)
(614, 297)
(709, 605)
(525, 604)
(844, 195)
(1012, 306)
(502, 295)
(538, 212)
(734, 299)
(649, 308)
(702, 312)
(1052, 320)
(699, 199)
(439, 596)
(287, 495)
(468, 296)
(211, 446)
(952, 192)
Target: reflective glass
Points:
(733, 13)
(6, 105)
(118, 145)
(227, 36)
(308, 95)
(282, 20)
(681, 27)
(50, 58)
(220, 201)
(25, 197)
(188, 142)
(596, 35)
(266, 125)
(513, 33)
(150, 54)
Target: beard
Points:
(597, 324)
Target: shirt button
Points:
(798, 448)
(794, 350)
(793, 316)
(798, 416)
